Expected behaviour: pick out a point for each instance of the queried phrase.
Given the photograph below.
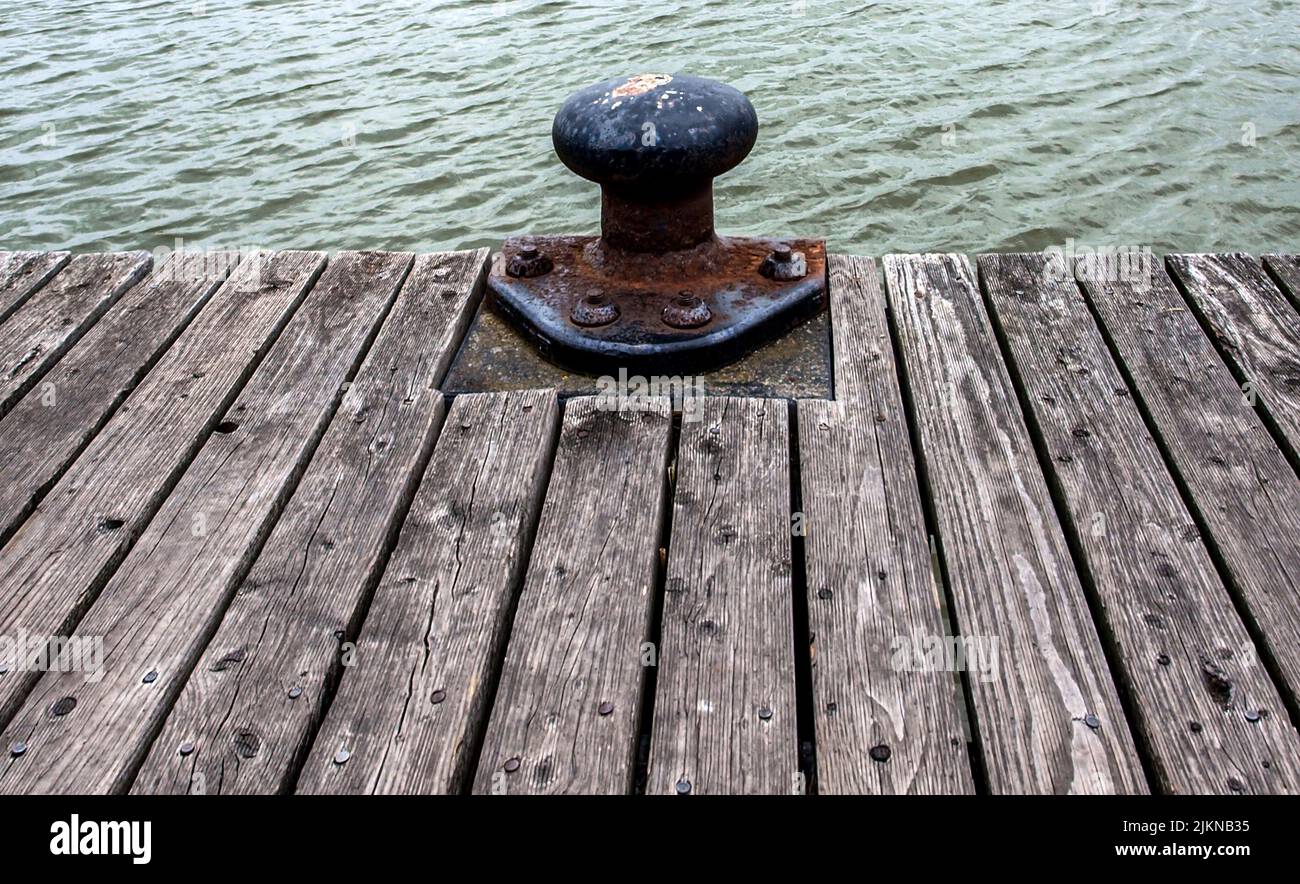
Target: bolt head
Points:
(342, 756)
(687, 310)
(593, 311)
(186, 748)
(511, 765)
(683, 786)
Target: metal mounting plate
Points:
(747, 308)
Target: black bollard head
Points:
(655, 131)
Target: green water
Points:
(893, 126)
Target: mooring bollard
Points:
(659, 289)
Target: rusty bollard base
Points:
(593, 308)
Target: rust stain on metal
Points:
(641, 84)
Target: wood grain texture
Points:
(874, 607)
(1008, 567)
(1285, 271)
(1256, 328)
(1244, 491)
(412, 705)
(168, 595)
(725, 714)
(22, 273)
(46, 431)
(38, 334)
(57, 562)
(584, 611)
(316, 571)
(1181, 649)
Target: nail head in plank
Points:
(412, 706)
(23, 273)
(874, 605)
(52, 568)
(46, 430)
(725, 714)
(584, 612)
(51, 321)
(1010, 573)
(1158, 591)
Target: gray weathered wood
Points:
(1285, 270)
(46, 431)
(56, 563)
(1256, 327)
(323, 557)
(412, 704)
(1010, 573)
(874, 606)
(38, 334)
(584, 612)
(22, 273)
(724, 714)
(1180, 647)
(169, 593)
(1239, 482)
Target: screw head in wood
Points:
(150, 677)
(63, 706)
(18, 749)
(825, 592)
(186, 748)
(342, 756)
(606, 708)
(1163, 659)
(1092, 721)
(1252, 715)
(511, 765)
(880, 753)
(437, 697)
(295, 692)
(765, 713)
(683, 786)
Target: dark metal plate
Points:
(494, 357)
(745, 308)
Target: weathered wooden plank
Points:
(56, 563)
(44, 433)
(55, 318)
(874, 607)
(22, 273)
(725, 715)
(1210, 717)
(1010, 573)
(1241, 486)
(169, 593)
(1256, 328)
(412, 705)
(1285, 270)
(323, 557)
(567, 708)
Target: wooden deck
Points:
(307, 571)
